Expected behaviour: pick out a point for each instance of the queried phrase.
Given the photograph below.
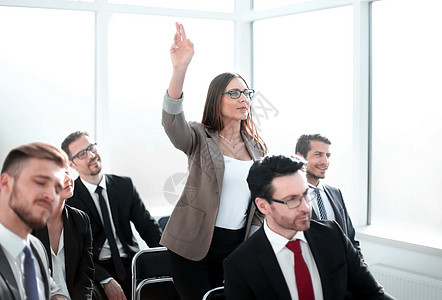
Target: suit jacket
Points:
(341, 215)
(77, 250)
(190, 228)
(126, 206)
(8, 286)
(252, 270)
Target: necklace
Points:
(234, 147)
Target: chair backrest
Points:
(163, 221)
(215, 294)
(150, 266)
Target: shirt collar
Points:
(12, 242)
(320, 186)
(92, 187)
(277, 241)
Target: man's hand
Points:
(113, 290)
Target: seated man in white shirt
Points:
(292, 256)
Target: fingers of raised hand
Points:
(183, 32)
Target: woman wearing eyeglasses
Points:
(214, 213)
(67, 238)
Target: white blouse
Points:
(235, 194)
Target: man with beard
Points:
(30, 185)
(291, 256)
(111, 202)
(328, 204)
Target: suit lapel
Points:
(70, 248)
(253, 150)
(336, 209)
(214, 146)
(314, 215)
(8, 276)
(112, 195)
(43, 269)
(270, 265)
(85, 197)
(43, 236)
(321, 263)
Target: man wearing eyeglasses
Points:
(292, 256)
(329, 203)
(111, 202)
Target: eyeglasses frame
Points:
(88, 149)
(250, 91)
(309, 192)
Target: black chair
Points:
(163, 221)
(152, 275)
(215, 294)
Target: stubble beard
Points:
(291, 224)
(23, 214)
(96, 170)
(314, 176)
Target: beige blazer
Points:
(190, 228)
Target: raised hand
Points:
(181, 53)
(181, 50)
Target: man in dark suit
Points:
(111, 203)
(30, 185)
(329, 204)
(290, 256)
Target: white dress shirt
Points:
(13, 246)
(328, 207)
(105, 253)
(286, 260)
(59, 266)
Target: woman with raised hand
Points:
(214, 213)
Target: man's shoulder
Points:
(330, 187)
(37, 244)
(322, 225)
(76, 213)
(327, 229)
(249, 248)
(112, 178)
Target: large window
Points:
(139, 74)
(407, 127)
(303, 74)
(46, 75)
(104, 71)
(75, 65)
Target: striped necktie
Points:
(322, 212)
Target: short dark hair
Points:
(265, 169)
(303, 146)
(17, 157)
(70, 139)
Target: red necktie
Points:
(303, 279)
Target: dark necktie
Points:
(321, 206)
(303, 279)
(118, 263)
(30, 279)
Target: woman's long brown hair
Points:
(212, 109)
